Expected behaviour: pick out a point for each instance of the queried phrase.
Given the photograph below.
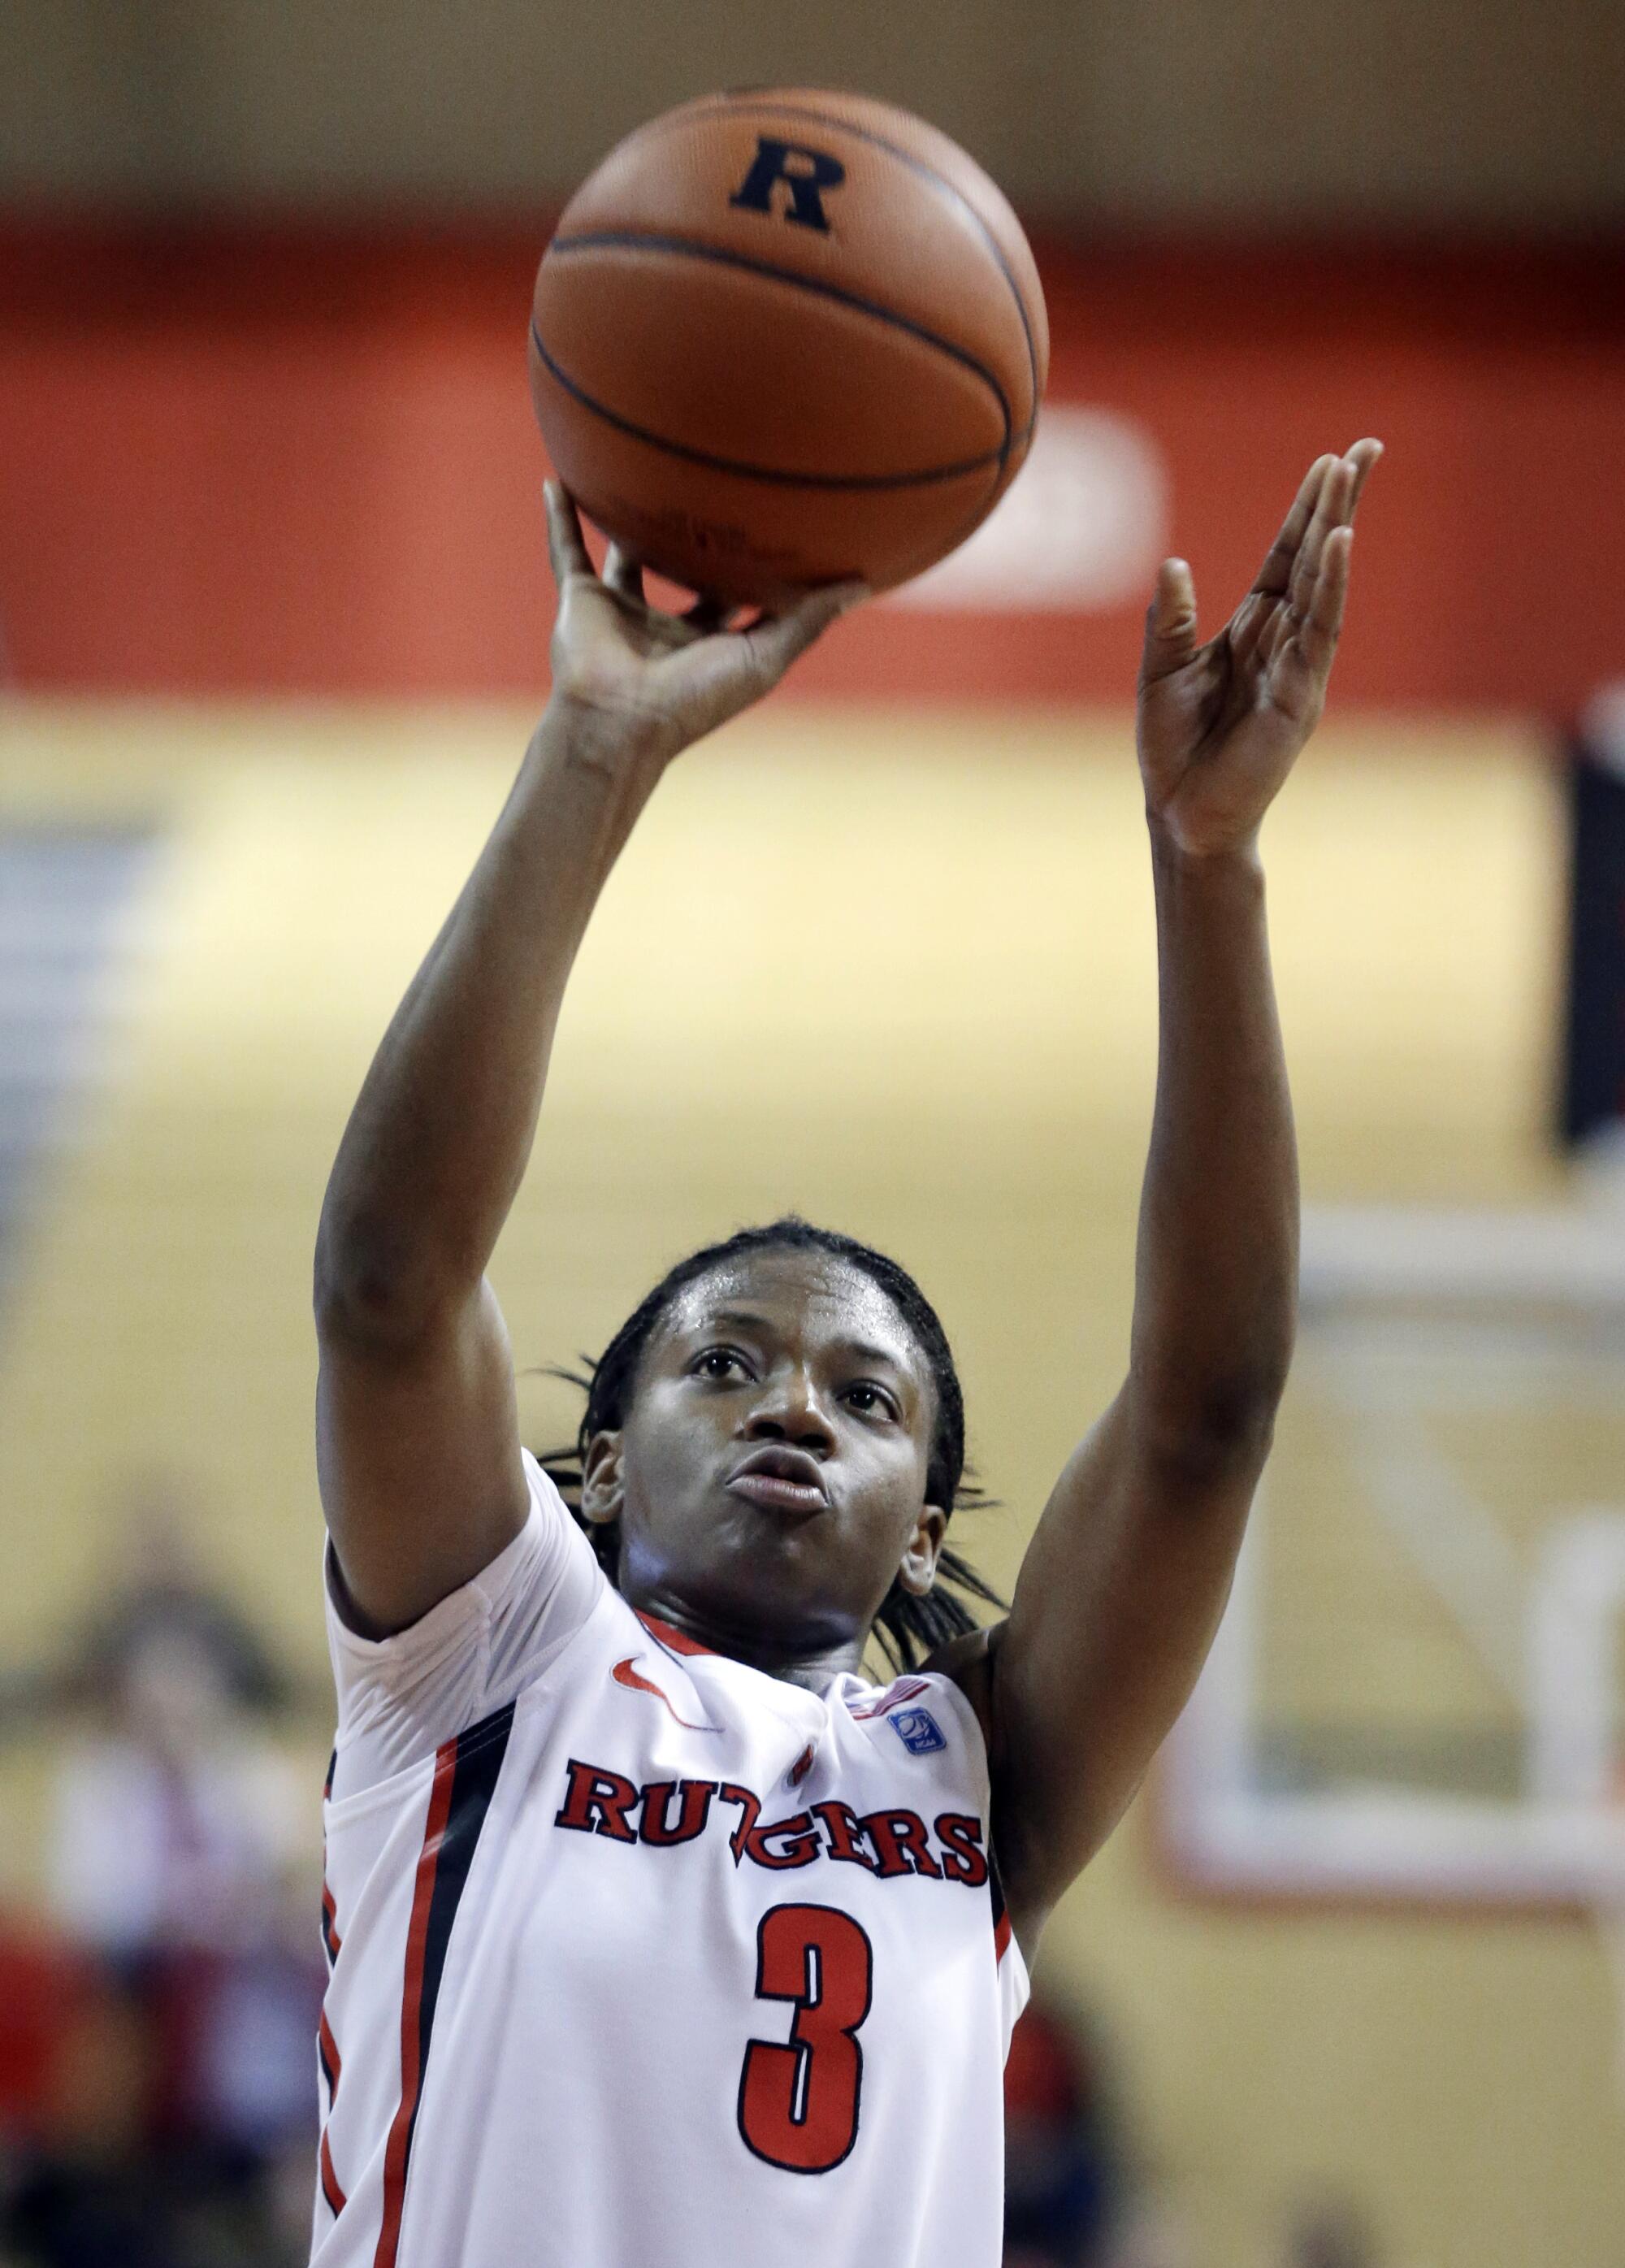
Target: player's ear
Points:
(917, 1568)
(602, 1485)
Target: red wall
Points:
(283, 459)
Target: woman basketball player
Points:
(661, 1939)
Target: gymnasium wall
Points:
(240, 458)
(1469, 111)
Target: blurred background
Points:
(1347, 1989)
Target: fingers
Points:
(713, 677)
(1328, 496)
(567, 548)
(1300, 654)
(623, 572)
(1339, 501)
(1301, 663)
(1334, 508)
(1317, 639)
(777, 639)
(1276, 573)
(1300, 668)
(1170, 623)
(1363, 457)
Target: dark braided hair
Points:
(908, 1626)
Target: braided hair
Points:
(908, 1626)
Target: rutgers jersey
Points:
(643, 1959)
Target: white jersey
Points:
(643, 1959)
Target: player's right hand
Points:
(656, 681)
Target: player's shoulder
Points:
(405, 1698)
(947, 1695)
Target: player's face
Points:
(788, 1359)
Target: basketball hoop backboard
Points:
(1415, 1694)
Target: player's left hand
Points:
(1220, 726)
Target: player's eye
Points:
(715, 1363)
(874, 1399)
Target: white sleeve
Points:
(399, 1697)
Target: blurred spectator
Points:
(155, 1587)
(171, 1818)
(1064, 2172)
(170, 2122)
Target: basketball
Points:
(786, 337)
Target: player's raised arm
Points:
(1127, 1576)
(417, 1429)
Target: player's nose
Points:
(791, 1409)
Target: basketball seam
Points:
(866, 482)
(916, 164)
(694, 247)
(684, 247)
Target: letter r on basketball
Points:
(806, 173)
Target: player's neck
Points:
(794, 1658)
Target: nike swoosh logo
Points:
(624, 1674)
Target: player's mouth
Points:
(780, 1480)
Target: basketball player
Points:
(659, 1937)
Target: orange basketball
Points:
(785, 336)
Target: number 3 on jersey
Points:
(798, 2100)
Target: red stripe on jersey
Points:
(330, 2190)
(1001, 1937)
(328, 2052)
(465, 1775)
(330, 1936)
(396, 2148)
(327, 2049)
(678, 1641)
(634, 1681)
(893, 1697)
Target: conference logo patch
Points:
(918, 1731)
